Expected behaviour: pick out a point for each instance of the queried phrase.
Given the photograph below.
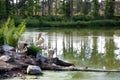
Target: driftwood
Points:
(85, 70)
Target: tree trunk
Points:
(71, 10)
(43, 7)
(95, 9)
(49, 7)
(56, 6)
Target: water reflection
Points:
(117, 46)
(51, 75)
(84, 50)
(101, 44)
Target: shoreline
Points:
(17, 66)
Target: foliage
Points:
(32, 22)
(51, 18)
(2, 9)
(82, 24)
(82, 17)
(3, 32)
(10, 34)
(109, 9)
(22, 7)
(21, 28)
(66, 8)
(33, 50)
(95, 9)
(86, 6)
(12, 38)
(1, 36)
(31, 8)
(79, 21)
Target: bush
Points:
(32, 22)
(79, 21)
(82, 24)
(82, 18)
(50, 18)
(2, 37)
(33, 50)
(9, 34)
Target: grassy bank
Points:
(82, 24)
(73, 24)
(63, 22)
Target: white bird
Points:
(51, 53)
(22, 45)
(40, 40)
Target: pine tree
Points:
(95, 9)
(109, 9)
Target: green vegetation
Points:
(86, 23)
(33, 50)
(9, 34)
(61, 13)
(109, 9)
(95, 9)
(2, 37)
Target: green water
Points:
(51, 75)
(98, 49)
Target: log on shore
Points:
(82, 69)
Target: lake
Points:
(97, 49)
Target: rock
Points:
(30, 61)
(34, 70)
(1, 50)
(41, 58)
(8, 48)
(6, 58)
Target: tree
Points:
(85, 7)
(109, 9)
(66, 8)
(95, 9)
(78, 2)
(21, 7)
(50, 2)
(71, 10)
(43, 4)
(2, 8)
(56, 6)
(30, 7)
(36, 7)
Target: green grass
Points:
(63, 22)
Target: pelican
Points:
(51, 53)
(22, 45)
(40, 40)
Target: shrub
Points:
(33, 50)
(82, 18)
(32, 22)
(9, 34)
(50, 18)
(2, 37)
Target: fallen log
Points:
(81, 69)
(46, 66)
